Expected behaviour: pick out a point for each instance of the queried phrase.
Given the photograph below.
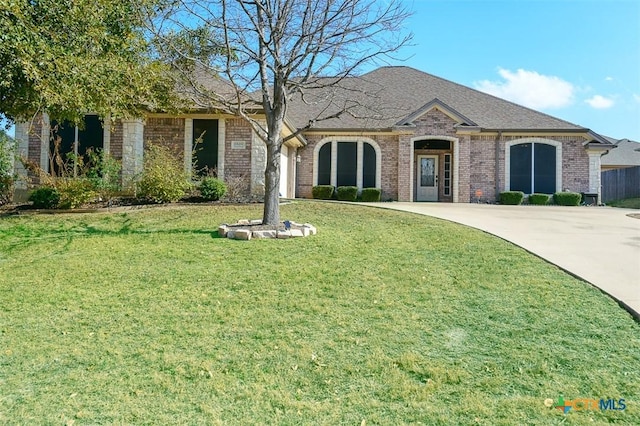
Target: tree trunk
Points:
(271, 214)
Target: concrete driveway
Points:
(601, 245)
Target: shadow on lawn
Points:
(65, 236)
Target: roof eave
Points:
(292, 129)
(535, 130)
(597, 146)
(599, 138)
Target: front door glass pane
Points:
(427, 172)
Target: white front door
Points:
(427, 178)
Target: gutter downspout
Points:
(497, 168)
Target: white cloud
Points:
(608, 79)
(530, 89)
(636, 97)
(600, 102)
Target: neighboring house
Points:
(416, 136)
(626, 154)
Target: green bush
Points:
(567, 198)
(347, 193)
(74, 192)
(163, 178)
(212, 189)
(45, 197)
(322, 192)
(7, 151)
(6, 189)
(103, 171)
(512, 198)
(539, 199)
(371, 195)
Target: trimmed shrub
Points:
(163, 178)
(512, 198)
(74, 192)
(212, 189)
(539, 199)
(567, 198)
(347, 193)
(45, 197)
(370, 195)
(322, 192)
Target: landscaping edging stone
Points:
(246, 229)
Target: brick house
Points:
(416, 136)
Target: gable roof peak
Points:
(436, 103)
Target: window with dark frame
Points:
(72, 140)
(368, 166)
(346, 161)
(447, 175)
(324, 165)
(532, 168)
(205, 146)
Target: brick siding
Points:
(237, 162)
(482, 168)
(115, 141)
(476, 160)
(165, 131)
(389, 164)
(478, 179)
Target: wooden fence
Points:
(620, 183)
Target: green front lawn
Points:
(629, 203)
(147, 317)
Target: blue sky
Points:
(576, 60)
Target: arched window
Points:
(368, 166)
(532, 168)
(324, 165)
(352, 162)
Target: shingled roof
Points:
(626, 154)
(394, 95)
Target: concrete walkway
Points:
(601, 245)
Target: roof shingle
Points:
(383, 97)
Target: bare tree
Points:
(253, 57)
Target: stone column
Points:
(359, 164)
(45, 136)
(405, 168)
(258, 165)
(595, 173)
(188, 145)
(132, 150)
(22, 151)
(334, 164)
(106, 136)
(221, 147)
(455, 178)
